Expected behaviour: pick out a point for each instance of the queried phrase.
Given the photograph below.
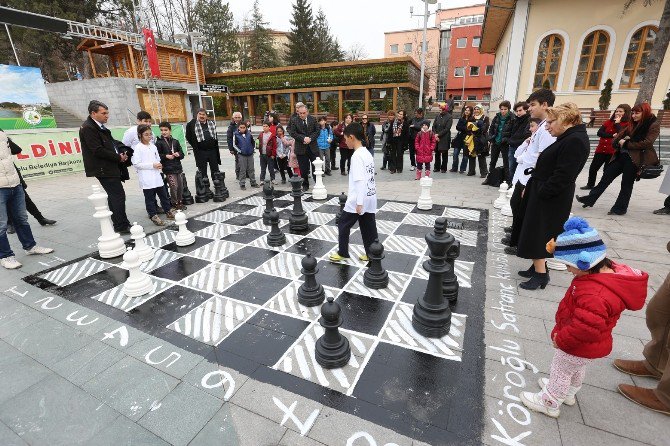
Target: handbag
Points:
(652, 171)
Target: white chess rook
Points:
(425, 202)
(143, 250)
(183, 237)
(110, 243)
(319, 190)
(500, 201)
(138, 283)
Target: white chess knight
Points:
(500, 201)
(506, 210)
(143, 250)
(138, 283)
(319, 190)
(183, 237)
(110, 243)
(425, 201)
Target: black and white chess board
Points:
(233, 299)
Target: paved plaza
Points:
(70, 376)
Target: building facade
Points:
(574, 46)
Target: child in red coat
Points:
(599, 293)
(424, 145)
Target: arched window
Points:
(592, 61)
(636, 59)
(548, 61)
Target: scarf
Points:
(469, 140)
(200, 135)
(397, 128)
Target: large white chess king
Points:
(110, 243)
(319, 191)
(425, 202)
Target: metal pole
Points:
(195, 65)
(12, 43)
(463, 92)
(423, 53)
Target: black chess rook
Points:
(298, 219)
(205, 182)
(375, 276)
(224, 189)
(450, 285)
(310, 293)
(268, 192)
(343, 201)
(275, 237)
(218, 189)
(432, 316)
(200, 191)
(332, 350)
(186, 197)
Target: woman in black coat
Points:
(397, 137)
(458, 143)
(442, 129)
(548, 194)
(481, 140)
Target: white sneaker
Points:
(541, 402)
(570, 399)
(10, 263)
(39, 250)
(412, 168)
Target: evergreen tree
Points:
(546, 84)
(215, 20)
(605, 95)
(302, 42)
(257, 50)
(327, 47)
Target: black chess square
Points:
(199, 243)
(281, 204)
(249, 257)
(94, 284)
(310, 228)
(284, 214)
(357, 239)
(335, 275)
(283, 324)
(399, 262)
(255, 343)
(415, 290)
(364, 313)
(237, 207)
(390, 216)
(180, 268)
(413, 230)
(244, 235)
(242, 220)
(328, 209)
(437, 210)
(316, 247)
(256, 288)
(192, 225)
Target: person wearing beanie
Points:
(600, 291)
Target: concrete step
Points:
(65, 119)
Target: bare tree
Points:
(356, 52)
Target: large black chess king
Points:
(332, 349)
(310, 293)
(449, 280)
(298, 219)
(268, 194)
(432, 316)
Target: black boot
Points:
(527, 273)
(507, 241)
(584, 201)
(46, 222)
(539, 280)
(507, 229)
(511, 250)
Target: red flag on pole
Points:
(152, 52)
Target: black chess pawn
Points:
(186, 197)
(343, 201)
(275, 237)
(205, 182)
(268, 192)
(432, 316)
(450, 285)
(310, 293)
(200, 191)
(332, 350)
(218, 191)
(298, 219)
(375, 276)
(224, 189)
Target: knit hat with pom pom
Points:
(579, 245)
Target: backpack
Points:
(495, 177)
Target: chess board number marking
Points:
(149, 361)
(79, 321)
(123, 335)
(288, 414)
(45, 303)
(225, 378)
(371, 441)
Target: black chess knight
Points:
(332, 350)
(186, 197)
(200, 191)
(219, 196)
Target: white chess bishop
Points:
(138, 283)
(143, 250)
(183, 237)
(319, 191)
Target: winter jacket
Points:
(166, 147)
(339, 132)
(479, 135)
(9, 177)
(442, 128)
(299, 131)
(324, 134)
(462, 129)
(232, 128)
(99, 151)
(384, 137)
(284, 146)
(243, 143)
(415, 128)
(591, 308)
(642, 137)
(519, 131)
(606, 133)
(271, 148)
(424, 146)
(370, 132)
(495, 130)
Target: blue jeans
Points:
(512, 163)
(13, 202)
(464, 161)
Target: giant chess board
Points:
(233, 299)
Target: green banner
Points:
(58, 152)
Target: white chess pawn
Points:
(500, 201)
(143, 250)
(110, 243)
(506, 210)
(425, 201)
(319, 190)
(183, 237)
(138, 283)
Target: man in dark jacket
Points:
(499, 132)
(201, 135)
(442, 129)
(519, 131)
(414, 128)
(103, 159)
(305, 131)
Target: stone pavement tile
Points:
(123, 432)
(553, 293)
(259, 398)
(18, 371)
(24, 293)
(131, 387)
(292, 438)
(633, 327)
(537, 308)
(625, 347)
(134, 336)
(49, 341)
(349, 425)
(633, 256)
(198, 373)
(56, 412)
(15, 316)
(9, 438)
(81, 366)
(233, 425)
(181, 414)
(612, 412)
(78, 317)
(539, 429)
(529, 327)
(158, 350)
(495, 340)
(577, 434)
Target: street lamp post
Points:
(426, 15)
(465, 66)
(195, 36)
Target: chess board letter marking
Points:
(225, 377)
(288, 413)
(149, 361)
(368, 437)
(123, 335)
(45, 303)
(13, 290)
(79, 321)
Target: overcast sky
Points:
(351, 21)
